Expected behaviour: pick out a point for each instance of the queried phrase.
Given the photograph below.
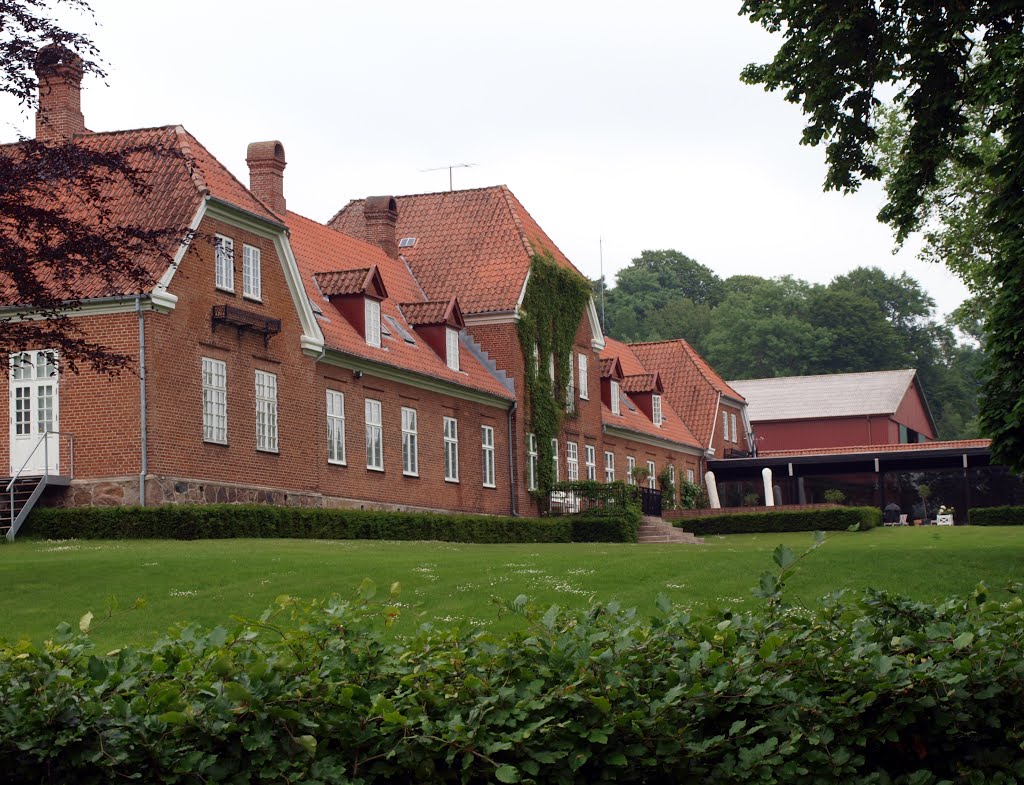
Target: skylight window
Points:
(400, 330)
(407, 242)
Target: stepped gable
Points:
(475, 244)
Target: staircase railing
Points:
(17, 518)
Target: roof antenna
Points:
(449, 168)
(600, 253)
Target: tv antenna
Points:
(449, 168)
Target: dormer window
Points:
(656, 410)
(452, 348)
(372, 322)
(615, 397)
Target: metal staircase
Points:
(23, 489)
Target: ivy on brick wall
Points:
(555, 301)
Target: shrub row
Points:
(874, 691)
(827, 519)
(997, 516)
(219, 521)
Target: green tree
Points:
(947, 62)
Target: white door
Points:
(34, 412)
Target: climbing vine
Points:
(555, 300)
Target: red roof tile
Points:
(475, 244)
(641, 383)
(962, 444)
(431, 311)
(339, 282)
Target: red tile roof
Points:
(475, 244)
(320, 250)
(641, 383)
(962, 444)
(339, 282)
(691, 384)
(427, 312)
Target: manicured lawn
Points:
(209, 581)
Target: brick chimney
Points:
(59, 73)
(381, 216)
(266, 174)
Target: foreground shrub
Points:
(865, 691)
(828, 519)
(220, 521)
(997, 516)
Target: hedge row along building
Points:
(378, 360)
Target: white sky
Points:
(625, 121)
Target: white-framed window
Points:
(689, 476)
(451, 449)
(630, 466)
(371, 321)
(531, 461)
(572, 461)
(615, 397)
(656, 409)
(591, 456)
(335, 427)
(551, 367)
(725, 426)
(487, 444)
(410, 443)
(584, 384)
(252, 286)
(650, 475)
(554, 456)
(224, 262)
(451, 336)
(374, 436)
(215, 401)
(732, 417)
(609, 467)
(672, 474)
(569, 392)
(266, 411)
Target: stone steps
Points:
(656, 530)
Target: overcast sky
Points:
(613, 120)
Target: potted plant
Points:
(945, 516)
(640, 475)
(925, 492)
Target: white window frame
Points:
(584, 381)
(551, 367)
(735, 439)
(615, 398)
(590, 453)
(451, 449)
(374, 416)
(569, 385)
(336, 428)
(371, 321)
(531, 461)
(656, 414)
(572, 461)
(689, 476)
(487, 448)
(609, 466)
(651, 476)
(725, 426)
(266, 412)
(451, 345)
(410, 442)
(630, 465)
(252, 285)
(224, 263)
(215, 401)
(554, 456)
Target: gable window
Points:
(224, 262)
(374, 436)
(410, 443)
(734, 436)
(266, 411)
(452, 347)
(725, 426)
(487, 443)
(371, 321)
(615, 397)
(531, 461)
(609, 467)
(554, 456)
(591, 454)
(572, 461)
(335, 427)
(656, 409)
(252, 287)
(650, 475)
(215, 401)
(584, 383)
(451, 449)
(630, 466)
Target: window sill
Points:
(218, 444)
(375, 469)
(252, 299)
(411, 474)
(268, 452)
(336, 463)
(222, 290)
(453, 482)
(490, 487)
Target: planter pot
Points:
(944, 520)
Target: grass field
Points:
(208, 581)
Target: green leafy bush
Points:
(871, 691)
(829, 519)
(218, 521)
(997, 516)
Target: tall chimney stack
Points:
(59, 73)
(380, 214)
(266, 174)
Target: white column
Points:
(769, 496)
(709, 479)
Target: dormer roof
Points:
(611, 368)
(643, 383)
(366, 281)
(432, 312)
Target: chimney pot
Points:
(266, 174)
(59, 74)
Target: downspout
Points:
(143, 426)
(511, 452)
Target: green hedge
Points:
(827, 519)
(874, 691)
(997, 516)
(219, 521)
